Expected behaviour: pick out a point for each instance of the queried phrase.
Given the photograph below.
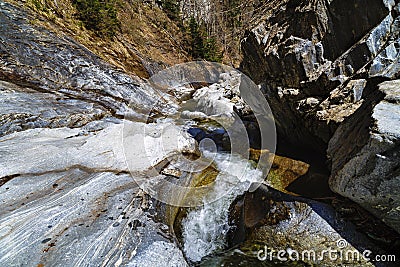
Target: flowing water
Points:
(204, 229)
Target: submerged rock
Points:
(269, 219)
(204, 228)
(284, 171)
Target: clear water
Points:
(204, 229)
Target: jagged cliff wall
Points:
(321, 65)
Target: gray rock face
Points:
(69, 161)
(34, 57)
(130, 146)
(293, 224)
(386, 63)
(24, 108)
(319, 63)
(73, 217)
(67, 198)
(317, 49)
(365, 153)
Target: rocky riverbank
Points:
(83, 144)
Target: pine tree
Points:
(196, 38)
(99, 16)
(171, 8)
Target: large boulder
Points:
(69, 160)
(314, 58)
(319, 64)
(365, 154)
(267, 221)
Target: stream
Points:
(100, 167)
(205, 228)
(228, 116)
(212, 114)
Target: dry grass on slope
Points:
(147, 39)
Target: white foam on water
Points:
(205, 228)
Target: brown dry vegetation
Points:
(146, 37)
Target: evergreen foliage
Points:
(171, 8)
(203, 47)
(99, 16)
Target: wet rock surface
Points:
(75, 217)
(66, 191)
(24, 108)
(270, 218)
(71, 194)
(70, 163)
(285, 171)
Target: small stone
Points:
(46, 240)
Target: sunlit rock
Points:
(366, 171)
(266, 221)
